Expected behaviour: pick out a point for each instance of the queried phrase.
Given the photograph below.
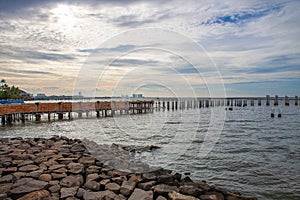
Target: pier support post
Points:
(276, 100)
(296, 100)
(69, 115)
(286, 101)
(267, 100)
(23, 118)
(37, 117)
(168, 105)
(3, 120)
(49, 116)
(9, 119)
(60, 116)
(252, 102)
(80, 115)
(98, 113)
(259, 102)
(245, 103)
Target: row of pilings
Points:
(193, 103)
(21, 113)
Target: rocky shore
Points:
(62, 168)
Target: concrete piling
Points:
(267, 100)
(286, 101)
(276, 100)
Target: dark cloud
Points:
(133, 62)
(131, 21)
(9, 52)
(24, 72)
(120, 48)
(9, 6)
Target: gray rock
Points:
(161, 198)
(139, 194)
(25, 162)
(80, 192)
(178, 196)
(5, 188)
(113, 187)
(92, 185)
(10, 169)
(104, 182)
(127, 187)
(4, 197)
(92, 177)
(58, 176)
(119, 180)
(28, 168)
(149, 177)
(136, 178)
(7, 179)
(54, 188)
(60, 170)
(75, 168)
(40, 194)
(209, 197)
(166, 179)
(54, 167)
(147, 185)
(36, 174)
(45, 177)
(107, 195)
(163, 189)
(19, 175)
(68, 192)
(27, 185)
(78, 148)
(191, 190)
(93, 169)
(72, 198)
(87, 160)
(71, 181)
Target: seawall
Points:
(62, 168)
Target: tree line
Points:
(9, 92)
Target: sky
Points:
(157, 48)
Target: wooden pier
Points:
(12, 113)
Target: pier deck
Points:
(15, 112)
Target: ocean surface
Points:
(244, 149)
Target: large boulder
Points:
(139, 194)
(71, 181)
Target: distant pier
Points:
(13, 113)
(166, 103)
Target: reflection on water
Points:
(254, 153)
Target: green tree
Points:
(7, 92)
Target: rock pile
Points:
(62, 168)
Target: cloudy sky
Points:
(158, 48)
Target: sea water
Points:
(247, 151)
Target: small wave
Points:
(198, 141)
(173, 123)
